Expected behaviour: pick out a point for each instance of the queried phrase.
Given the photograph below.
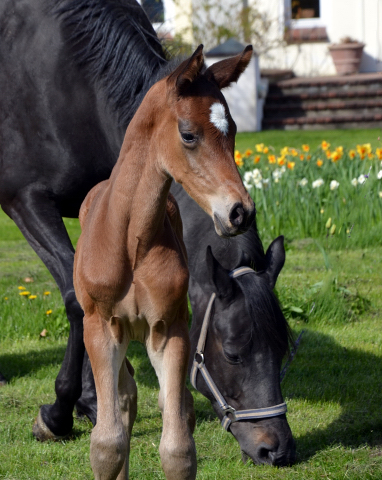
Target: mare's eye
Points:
(188, 137)
(232, 358)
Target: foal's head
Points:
(196, 139)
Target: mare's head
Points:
(196, 138)
(246, 341)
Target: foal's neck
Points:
(139, 191)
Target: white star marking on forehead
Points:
(218, 117)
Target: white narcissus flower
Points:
(361, 179)
(303, 182)
(334, 185)
(354, 182)
(317, 183)
(380, 194)
(379, 175)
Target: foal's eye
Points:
(188, 137)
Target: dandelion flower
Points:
(32, 297)
(21, 288)
(334, 185)
(48, 312)
(317, 183)
(354, 182)
(6, 298)
(319, 162)
(47, 293)
(24, 293)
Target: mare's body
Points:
(73, 74)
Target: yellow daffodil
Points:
(284, 151)
(352, 154)
(265, 150)
(272, 158)
(238, 159)
(259, 147)
(256, 159)
(305, 148)
(378, 152)
(291, 165)
(281, 161)
(248, 152)
(370, 156)
(335, 156)
(294, 152)
(319, 163)
(325, 145)
(328, 153)
(302, 157)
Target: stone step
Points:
(353, 101)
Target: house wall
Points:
(359, 19)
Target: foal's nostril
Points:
(237, 215)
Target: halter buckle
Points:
(229, 409)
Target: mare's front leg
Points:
(177, 447)
(117, 397)
(39, 220)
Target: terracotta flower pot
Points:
(346, 57)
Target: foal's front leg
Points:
(177, 447)
(109, 443)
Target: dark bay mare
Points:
(72, 76)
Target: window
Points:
(305, 9)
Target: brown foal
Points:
(130, 271)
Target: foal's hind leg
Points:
(177, 448)
(109, 443)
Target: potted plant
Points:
(346, 55)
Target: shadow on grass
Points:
(326, 373)
(23, 364)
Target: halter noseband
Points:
(199, 365)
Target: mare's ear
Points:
(274, 260)
(187, 71)
(218, 275)
(229, 70)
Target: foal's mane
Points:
(270, 326)
(116, 43)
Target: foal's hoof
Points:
(42, 432)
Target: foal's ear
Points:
(229, 70)
(188, 70)
(274, 260)
(218, 275)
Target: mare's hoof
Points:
(42, 432)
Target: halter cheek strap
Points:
(199, 365)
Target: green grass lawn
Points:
(333, 387)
